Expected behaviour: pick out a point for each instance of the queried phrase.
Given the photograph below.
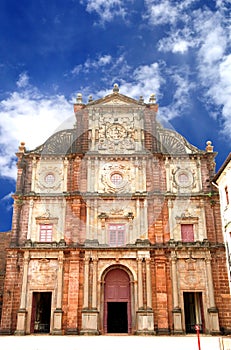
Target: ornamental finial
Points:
(79, 99)
(152, 99)
(116, 88)
(209, 147)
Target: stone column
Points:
(22, 312)
(177, 316)
(31, 204)
(140, 284)
(148, 284)
(65, 165)
(94, 284)
(145, 319)
(212, 310)
(33, 175)
(86, 283)
(138, 218)
(143, 188)
(58, 313)
(88, 220)
(95, 220)
(89, 176)
(90, 315)
(146, 218)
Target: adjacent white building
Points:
(223, 181)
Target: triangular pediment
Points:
(116, 99)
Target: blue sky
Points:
(52, 50)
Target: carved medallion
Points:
(116, 177)
(183, 178)
(49, 178)
(116, 132)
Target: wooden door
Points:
(117, 303)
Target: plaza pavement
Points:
(113, 342)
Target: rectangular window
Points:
(46, 233)
(116, 234)
(227, 195)
(187, 233)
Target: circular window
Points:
(50, 179)
(116, 179)
(184, 178)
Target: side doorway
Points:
(41, 312)
(193, 311)
(117, 302)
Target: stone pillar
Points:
(22, 312)
(73, 294)
(86, 283)
(89, 174)
(95, 221)
(88, 220)
(94, 284)
(31, 204)
(148, 284)
(138, 217)
(65, 166)
(177, 315)
(212, 310)
(145, 319)
(58, 313)
(140, 283)
(145, 218)
(143, 179)
(33, 176)
(90, 315)
(161, 293)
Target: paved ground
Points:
(46, 342)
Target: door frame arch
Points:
(131, 301)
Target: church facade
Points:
(116, 229)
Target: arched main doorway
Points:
(117, 302)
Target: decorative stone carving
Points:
(116, 177)
(116, 132)
(62, 142)
(49, 178)
(183, 178)
(43, 272)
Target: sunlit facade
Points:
(116, 229)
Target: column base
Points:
(145, 322)
(213, 321)
(6, 331)
(177, 321)
(21, 322)
(89, 322)
(57, 325)
(71, 331)
(163, 331)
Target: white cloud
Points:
(107, 10)
(160, 12)
(23, 80)
(92, 64)
(181, 98)
(144, 81)
(207, 34)
(178, 42)
(7, 201)
(7, 197)
(214, 65)
(212, 36)
(31, 117)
